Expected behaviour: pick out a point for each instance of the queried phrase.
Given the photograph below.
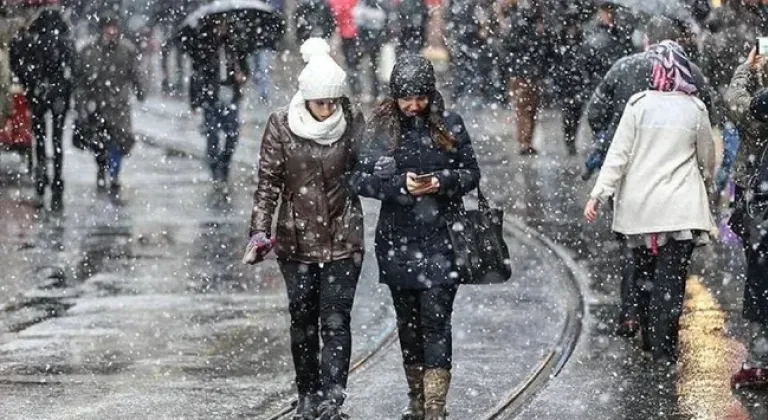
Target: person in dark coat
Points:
(307, 156)
(218, 90)
(417, 158)
(605, 41)
(525, 48)
(411, 25)
(43, 58)
(107, 76)
(470, 25)
(628, 76)
(314, 19)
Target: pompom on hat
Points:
(322, 77)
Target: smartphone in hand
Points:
(762, 46)
(423, 178)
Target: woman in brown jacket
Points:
(307, 155)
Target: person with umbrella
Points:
(218, 89)
(307, 155)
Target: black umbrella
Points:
(252, 24)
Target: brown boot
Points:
(436, 384)
(414, 374)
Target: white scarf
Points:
(304, 125)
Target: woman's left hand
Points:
(591, 210)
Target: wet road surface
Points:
(140, 307)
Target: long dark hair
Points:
(386, 120)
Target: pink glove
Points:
(258, 247)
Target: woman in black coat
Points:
(418, 160)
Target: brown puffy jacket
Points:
(319, 219)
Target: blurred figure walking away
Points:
(313, 19)
(262, 61)
(343, 12)
(747, 103)
(44, 61)
(411, 25)
(470, 26)
(659, 170)
(525, 43)
(372, 20)
(166, 17)
(107, 75)
(307, 155)
(219, 72)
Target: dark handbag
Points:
(480, 253)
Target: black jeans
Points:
(661, 280)
(424, 325)
(320, 298)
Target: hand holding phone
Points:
(421, 184)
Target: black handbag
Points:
(480, 253)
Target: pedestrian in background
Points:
(107, 76)
(526, 48)
(262, 61)
(659, 171)
(343, 12)
(307, 155)
(747, 104)
(418, 160)
(219, 72)
(43, 59)
(411, 25)
(313, 19)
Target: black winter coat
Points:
(44, 60)
(525, 41)
(208, 86)
(628, 76)
(603, 46)
(412, 242)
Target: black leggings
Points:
(320, 298)
(424, 325)
(661, 281)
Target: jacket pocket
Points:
(348, 228)
(287, 238)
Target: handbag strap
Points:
(483, 204)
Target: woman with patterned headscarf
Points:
(659, 172)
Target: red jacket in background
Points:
(345, 22)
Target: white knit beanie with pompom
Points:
(322, 77)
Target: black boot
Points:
(414, 374)
(306, 409)
(57, 195)
(330, 408)
(41, 179)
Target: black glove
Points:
(386, 167)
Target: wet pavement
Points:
(139, 307)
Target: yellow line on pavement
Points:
(707, 357)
